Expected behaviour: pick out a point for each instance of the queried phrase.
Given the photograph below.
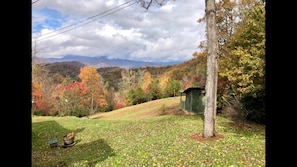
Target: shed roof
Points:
(192, 88)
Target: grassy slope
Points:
(149, 134)
(145, 110)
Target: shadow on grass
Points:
(79, 155)
(50, 129)
(86, 154)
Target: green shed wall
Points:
(195, 101)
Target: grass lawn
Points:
(139, 136)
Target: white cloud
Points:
(162, 33)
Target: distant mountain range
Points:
(99, 62)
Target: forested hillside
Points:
(112, 75)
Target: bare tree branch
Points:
(146, 4)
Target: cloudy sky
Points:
(121, 29)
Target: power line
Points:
(120, 8)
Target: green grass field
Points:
(149, 134)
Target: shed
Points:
(194, 100)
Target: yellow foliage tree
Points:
(146, 81)
(244, 64)
(164, 82)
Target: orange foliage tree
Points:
(37, 98)
(94, 99)
(42, 86)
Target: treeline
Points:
(241, 80)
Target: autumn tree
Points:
(199, 78)
(131, 81)
(42, 81)
(38, 105)
(137, 95)
(164, 80)
(146, 81)
(68, 99)
(155, 91)
(169, 86)
(245, 63)
(110, 96)
(127, 83)
(95, 97)
(227, 16)
(243, 60)
(173, 88)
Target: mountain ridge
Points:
(103, 61)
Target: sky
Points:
(118, 29)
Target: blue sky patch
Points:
(47, 18)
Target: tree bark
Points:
(212, 70)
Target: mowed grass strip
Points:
(162, 140)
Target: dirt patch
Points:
(199, 137)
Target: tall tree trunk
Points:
(212, 70)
